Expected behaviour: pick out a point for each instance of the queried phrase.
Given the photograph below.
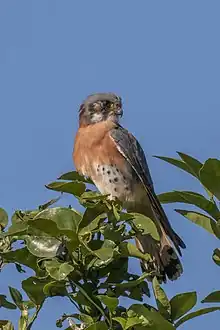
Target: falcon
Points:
(113, 158)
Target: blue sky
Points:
(162, 57)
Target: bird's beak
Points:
(118, 111)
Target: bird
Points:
(114, 160)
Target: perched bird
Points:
(114, 160)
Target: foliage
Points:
(84, 256)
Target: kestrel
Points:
(114, 160)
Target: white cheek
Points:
(96, 117)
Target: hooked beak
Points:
(118, 111)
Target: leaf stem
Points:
(90, 300)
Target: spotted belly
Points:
(110, 180)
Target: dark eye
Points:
(111, 105)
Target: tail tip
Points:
(172, 265)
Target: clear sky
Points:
(162, 57)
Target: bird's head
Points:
(100, 107)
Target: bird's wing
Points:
(131, 150)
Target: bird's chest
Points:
(96, 155)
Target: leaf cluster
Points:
(84, 256)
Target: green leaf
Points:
(6, 325)
(41, 246)
(58, 221)
(16, 229)
(88, 299)
(131, 283)
(81, 299)
(16, 296)
(213, 297)
(192, 163)
(195, 314)
(150, 318)
(19, 268)
(24, 257)
(3, 218)
(178, 163)
(110, 302)
(48, 204)
(113, 233)
(210, 176)
(93, 195)
(92, 213)
(117, 270)
(104, 253)
(97, 326)
(136, 292)
(75, 188)
(94, 224)
(21, 217)
(216, 256)
(122, 321)
(129, 322)
(84, 318)
(145, 224)
(190, 197)
(43, 227)
(28, 304)
(57, 270)
(75, 176)
(33, 287)
(91, 199)
(162, 301)
(201, 220)
(128, 249)
(182, 303)
(5, 303)
(66, 219)
(55, 288)
(115, 213)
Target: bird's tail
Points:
(164, 260)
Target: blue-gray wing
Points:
(131, 150)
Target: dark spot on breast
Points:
(115, 190)
(117, 169)
(103, 169)
(110, 180)
(98, 166)
(108, 172)
(116, 179)
(124, 178)
(126, 188)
